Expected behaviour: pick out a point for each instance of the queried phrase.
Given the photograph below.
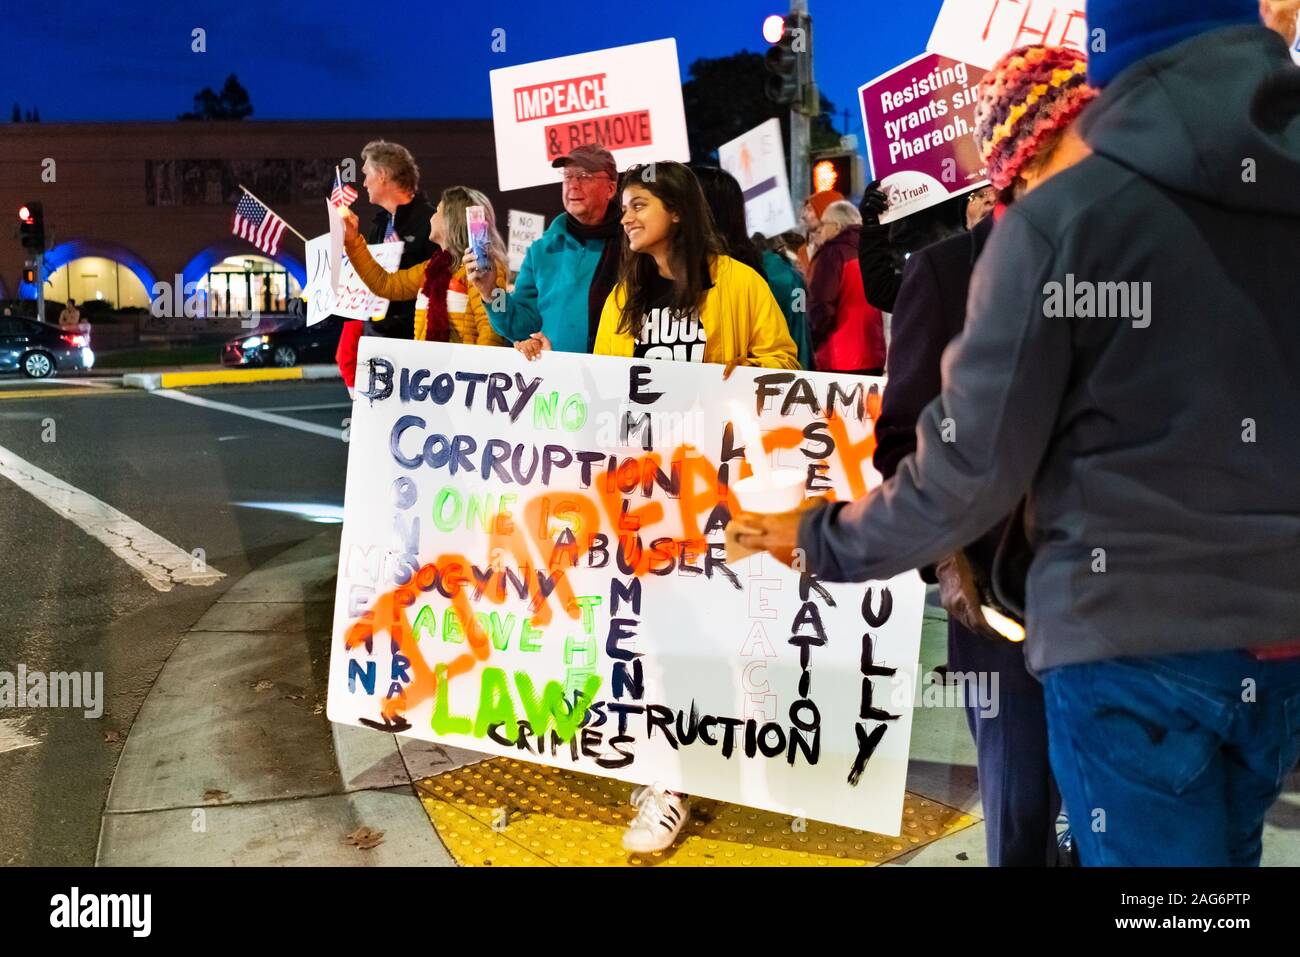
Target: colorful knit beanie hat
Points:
(1030, 93)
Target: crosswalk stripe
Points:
(12, 736)
(162, 564)
(270, 417)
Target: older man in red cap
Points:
(569, 272)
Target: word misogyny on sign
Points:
(58, 689)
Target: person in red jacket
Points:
(848, 333)
(346, 353)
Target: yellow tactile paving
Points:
(503, 812)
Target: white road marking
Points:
(319, 512)
(57, 381)
(160, 562)
(106, 382)
(12, 736)
(305, 408)
(260, 415)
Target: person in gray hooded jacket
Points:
(1131, 360)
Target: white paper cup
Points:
(784, 492)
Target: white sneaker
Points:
(661, 815)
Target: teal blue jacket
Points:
(551, 291)
(783, 279)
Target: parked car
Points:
(289, 344)
(39, 350)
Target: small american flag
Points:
(258, 225)
(342, 195)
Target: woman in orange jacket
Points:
(448, 308)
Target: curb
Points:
(232, 761)
(150, 381)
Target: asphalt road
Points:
(241, 489)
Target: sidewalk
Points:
(223, 375)
(232, 761)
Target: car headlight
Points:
(252, 342)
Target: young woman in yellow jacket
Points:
(447, 307)
(678, 297)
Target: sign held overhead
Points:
(978, 32)
(628, 99)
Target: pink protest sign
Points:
(919, 118)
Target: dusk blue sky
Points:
(328, 59)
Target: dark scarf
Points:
(602, 283)
(437, 277)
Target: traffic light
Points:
(31, 229)
(840, 171)
(789, 59)
(29, 275)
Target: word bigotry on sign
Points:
(629, 99)
(533, 564)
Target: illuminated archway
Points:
(205, 259)
(231, 280)
(60, 282)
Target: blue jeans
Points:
(1020, 799)
(1172, 761)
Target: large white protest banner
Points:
(629, 99)
(525, 229)
(978, 32)
(350, 298)
(533, 565)
(757, 160)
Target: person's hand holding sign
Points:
(351, 227)
(732, 366)
(534, 345)
(481, 275)
(777, 533)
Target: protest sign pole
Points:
(800, 120)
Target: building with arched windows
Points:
(129, 207)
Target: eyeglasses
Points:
(581, 176)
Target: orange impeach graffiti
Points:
(700, 492)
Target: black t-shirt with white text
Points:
(666, 333)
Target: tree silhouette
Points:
(17, 116)
(232, 103)
(725, 96)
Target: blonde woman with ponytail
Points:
(448, 308)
